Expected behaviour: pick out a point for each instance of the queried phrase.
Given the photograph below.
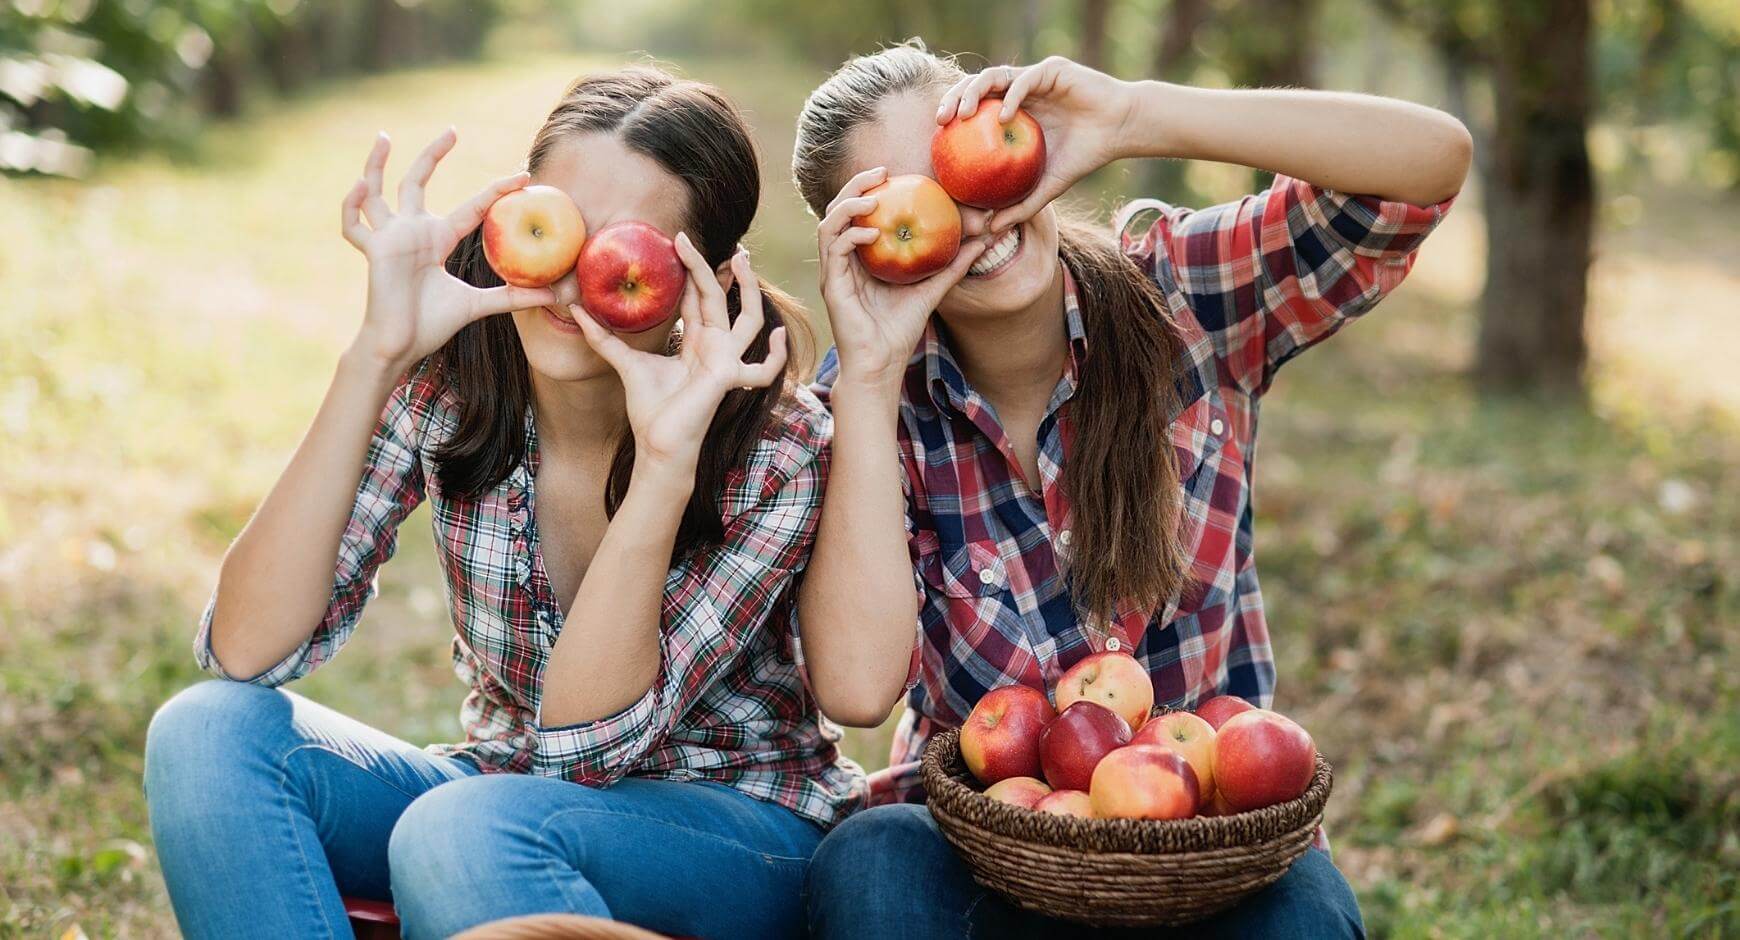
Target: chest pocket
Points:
(968, 570)
(1198, 433)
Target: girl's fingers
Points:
(856, 186)
(350, 214)
(374, 168)
(689, 310)
(1018, 90)
(470, 214)
(488, 301)
(417, 177)
(749, 313)
(608, 345)
(843, 213)
(837, 255)
(767, 371)
(941, 282)
(1036, 201)
(951, 99)
(989, 81)
(701, 275)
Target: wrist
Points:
(1152, 120)
(875, 392)
(665, 478)
(359, 364)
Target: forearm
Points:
(857, 607)
(277, 577)
(1351, 143)
(608, 655)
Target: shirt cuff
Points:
(288, 668)
(597, 753)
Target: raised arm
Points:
(1352, 143)
(277, 583)
(858, 606)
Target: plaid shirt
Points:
(728, 704)
(1249, 285)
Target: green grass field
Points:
(1512, 628)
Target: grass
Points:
(1511, 626)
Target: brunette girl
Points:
(1062, 453)
(619, 518)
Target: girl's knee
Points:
(206, 725)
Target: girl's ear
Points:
(723, 271)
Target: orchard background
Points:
(1505, 597)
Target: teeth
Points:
(995, 256)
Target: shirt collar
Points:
(947, 386)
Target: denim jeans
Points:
(266, 807)
(887, 872)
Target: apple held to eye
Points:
(920, 230)
(531, 236)
(630, 277)
(985, 162)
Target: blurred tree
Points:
(1540, 191)
(81, 76)
(1091, 32)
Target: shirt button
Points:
(1063, 538)
(1216, 427)
(987, 576)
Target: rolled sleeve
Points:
(1270, 275)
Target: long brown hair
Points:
(1125, 499)
(696, 134)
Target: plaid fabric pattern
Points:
(728, 705)
(1249, 285)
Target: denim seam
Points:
(367, 770)
(713, 837)
(307, 867)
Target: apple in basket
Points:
(1144, 781)
(1001, 736)
(1191, 737)
(1073, 744)
(1113, 679)
(1217, 710)
(1066, 803)
(1026, 792)
(1262, 758)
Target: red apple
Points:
(920, 226)
(630, 277)
(1066, 803)
(1144, 781)
(1072, 746)
(531, 236)
(1217, 710)
(985, 162)
(1026, 792)
(1115, 680)
(1262, 758)
(1001, 737)
(1191, 737)
(1215, 806)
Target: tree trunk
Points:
(1174, 61)
(1539, 201)
(1094, 14)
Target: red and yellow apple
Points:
(1113, 679)
(983, 161)
(1000, 738)
(1191, 737)
(1066, 803)
(531, 236)
(1215, 806)
(1072, 745)
(1217, 710)
(1144, 781)
(1026, 792)
(630, 277)
(920, 226)
(1262, 758)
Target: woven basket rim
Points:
(948, 788)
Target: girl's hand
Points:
(1085, 115)
(877, 324)
(414, 305)
(671, 399)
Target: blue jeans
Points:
(887, 872)
(266, 807)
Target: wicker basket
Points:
(1116, 872)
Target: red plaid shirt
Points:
(728, 704)
(1249, 285)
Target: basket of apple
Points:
(1107, 811)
